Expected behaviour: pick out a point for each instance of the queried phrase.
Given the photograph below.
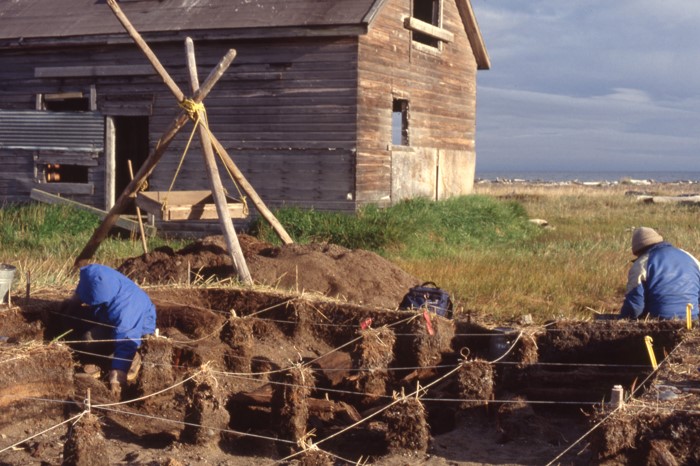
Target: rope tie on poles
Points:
(197, 112)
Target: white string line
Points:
(356, 369)
(81, 319)
(177, 384)
(245, 434)
(184, 423)
(398, 400)
(587, 433)
(360, 369)
(281, 370)
(220, 429)
(76, 417)
(238, 374)
(449, 400)
(460, 400)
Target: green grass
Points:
(481, 248)
(46, 239)
(416, 229)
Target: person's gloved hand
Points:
(117, 379)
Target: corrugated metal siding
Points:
(38, 130)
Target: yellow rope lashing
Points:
(197, 112)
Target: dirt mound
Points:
(357, 276)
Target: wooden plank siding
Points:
(304, 111)
(285, 111)
(440, 86)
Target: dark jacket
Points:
(661, 283)
(117, 301)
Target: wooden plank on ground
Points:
(690, 199)
(122, 222)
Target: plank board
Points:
(122, 222)
(185, 205)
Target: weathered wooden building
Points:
(329, 103)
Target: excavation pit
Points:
(525, 401)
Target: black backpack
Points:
(428, 296)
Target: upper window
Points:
(425, 24)
(427, 11)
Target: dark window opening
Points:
(60, 173)
(427, 11)
(77, 104)
(399, 123)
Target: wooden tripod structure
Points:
(207, 140)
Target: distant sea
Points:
(610, 176)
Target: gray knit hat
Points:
(643, 237)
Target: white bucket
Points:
(7, 273)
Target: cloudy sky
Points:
(589, 85)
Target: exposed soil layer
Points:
(357, 276)
(661, 426)
(253, 377)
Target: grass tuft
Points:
(416, 228)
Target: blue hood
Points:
(98, 284)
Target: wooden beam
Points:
(252, 194)
(689, 199)
(150, 163)
(87, 189)
(415, 24)
(110, 168)
(153, 159)
(179, 95)
(142, 231)
(474, 34)
(125, 223)
(217, 189)
(92, 71)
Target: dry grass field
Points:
(579, 262)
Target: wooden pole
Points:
(146, 50)
(250, 191)
(217, 189)
(138, 212)
(179, 95)
(150, 163)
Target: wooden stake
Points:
(29, 284)
(138, 212)
(217, 189)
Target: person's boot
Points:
(135, 367)
(92, 370)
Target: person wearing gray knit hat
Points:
(663, 281)
(644, 237)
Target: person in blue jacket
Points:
(117, 309)
(662, 281)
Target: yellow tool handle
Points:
(689, 316)
(650, 349)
